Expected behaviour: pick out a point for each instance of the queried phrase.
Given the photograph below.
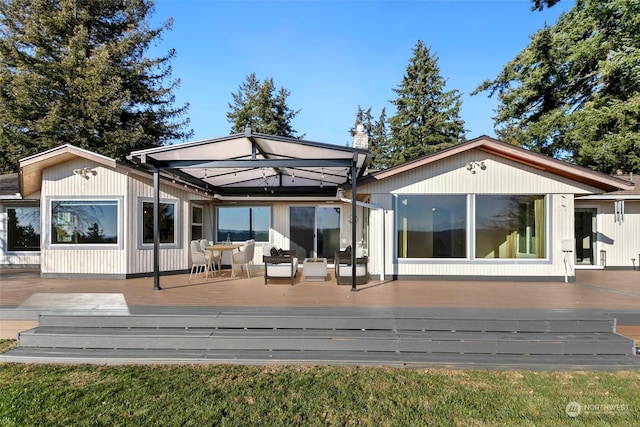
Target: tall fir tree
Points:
(427, 116)
(364, 118)
(574, 91)
(379, 142)
(260, 107)
(74, 71)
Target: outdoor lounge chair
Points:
(343, 267)
(279, 264)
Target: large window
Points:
(23, 229)
(167, 223)
(510, 226)
(432, 226)
(244, 223)
(92, 222)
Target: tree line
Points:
(75, 71)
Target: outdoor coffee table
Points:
(314, 269)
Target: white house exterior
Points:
(461, 196)
(443, 216)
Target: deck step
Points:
(242, 321)
(331, 340)
(399, 337)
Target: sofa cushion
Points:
(345, 270)
(282, 269)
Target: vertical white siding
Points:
(620, 240)
(59, 181)
(450, 176)
(140, 258)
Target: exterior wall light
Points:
(471, 166)
(85, 172)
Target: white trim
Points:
(610, 197)
(48, 221)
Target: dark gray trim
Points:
(156, 228)
(257, 163)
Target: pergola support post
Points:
(353, 225)
(156, 228)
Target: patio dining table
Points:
(222, 247)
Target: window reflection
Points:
(510, 226)
(84, 222)
(167, 222)
(432, 226)
(23, 229)
(244, 223)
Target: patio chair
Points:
(279, 264)
(214, 257)
(344, 269)
(198, 259)
(243, 258)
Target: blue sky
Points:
(336, 55)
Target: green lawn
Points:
(172, 395)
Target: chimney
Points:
(361, 139)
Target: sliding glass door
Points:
(314, 231)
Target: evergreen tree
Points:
(74, 71)
(427, 116)
(363, 118)
(379, 143)
(260, 107)
(574, 91)
(94, 233)
(539, 5)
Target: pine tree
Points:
(74, 71)
(363, 118)
(258, 106)
(379, 143)
(574, 92)
(427, 116)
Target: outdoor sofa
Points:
(279, 264)
(344, 270)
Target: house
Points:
(487, 210)
(482, 209)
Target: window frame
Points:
(220, 237)
(120, 237)
(177, 228)
(6, 228)
(196, 224)
(471, 233)
(525, 259)
(445, 260)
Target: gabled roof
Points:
(517, 154)
(258, 164)
(32, 166)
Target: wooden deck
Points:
(594, 289)
(598, 289)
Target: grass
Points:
(7, 345)
(229, 395)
